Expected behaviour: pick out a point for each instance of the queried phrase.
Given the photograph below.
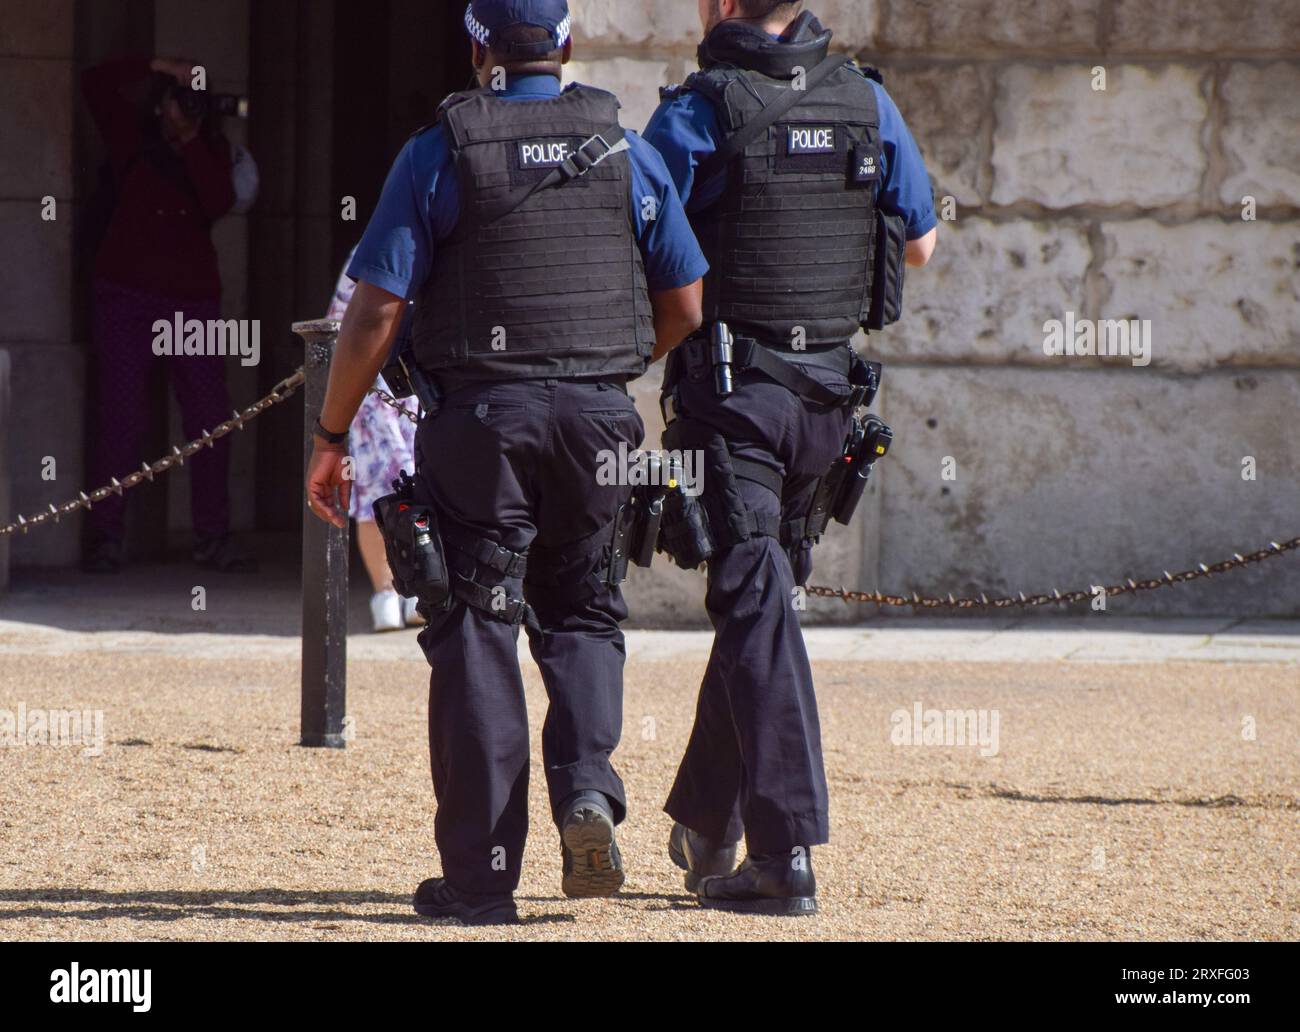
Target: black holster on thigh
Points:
(695, 526)
(413, 545)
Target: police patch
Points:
(544, 153)
(811, 139)
(806, 148)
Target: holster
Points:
(695, 527)
(412, 544)
(636, 527)
(869, 441)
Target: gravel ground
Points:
(1123, 802)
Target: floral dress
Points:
(381, 440)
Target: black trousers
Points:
(517, 463)
(753, 766)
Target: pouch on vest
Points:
(887, 271)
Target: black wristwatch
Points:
(328, 436)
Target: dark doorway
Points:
(393, 66)
(363, 78)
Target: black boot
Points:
(766, 883)
(435, 898)
(593, 865)
(698, 856)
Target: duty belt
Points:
(749, 353)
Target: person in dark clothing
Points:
(171, 180)
(802, 182)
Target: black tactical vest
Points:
(791, 243)
(555, 288)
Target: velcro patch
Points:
(866, 163)
(544, 153)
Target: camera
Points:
(198, 104)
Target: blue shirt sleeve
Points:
(417, 209)
(671, 253)
(905, 184)
(684, 129)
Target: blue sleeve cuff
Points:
(682, 276)
(381, 278)
(923, 225)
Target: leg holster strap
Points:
(594, 548)
(495, 603)
(757, 473)
(793, 531)
(487, 552)
(760, 523)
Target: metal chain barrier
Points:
(286, 387)
(392, 402)
(1129, 587)
(147, 471)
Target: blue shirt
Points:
(685, 130)
(420, 205)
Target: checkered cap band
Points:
(475, 29)
(480, 32)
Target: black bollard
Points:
(324, 571)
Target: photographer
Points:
(171, 179)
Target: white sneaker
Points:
(386, 610)
(413, 619)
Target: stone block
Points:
(1059, 142)
(1261, 135)
(1205, 27)
(937, 27)
(1068, 479)
(1217, 292)
(987, 292)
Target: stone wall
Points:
(1117, 203)
(37, 85)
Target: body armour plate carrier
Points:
(554, 288)
(792, 242)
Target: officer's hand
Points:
(325, 481)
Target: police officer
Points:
(807, 193)
(549, 260)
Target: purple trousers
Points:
(122, 338)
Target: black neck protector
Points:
(745, 45)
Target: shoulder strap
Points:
(759, 124)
